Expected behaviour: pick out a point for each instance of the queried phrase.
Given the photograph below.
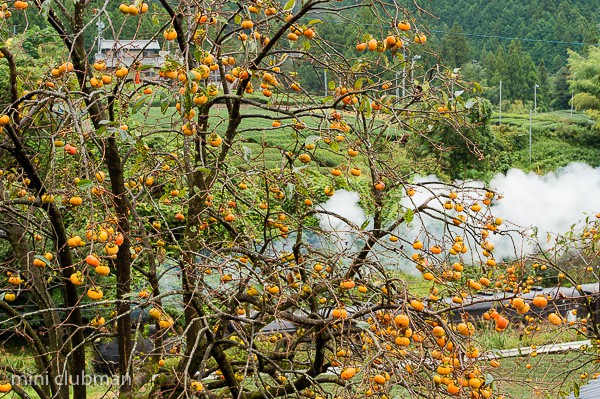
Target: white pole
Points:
(412, 71)
(100, 26)
(529, 136)
(404, 75)
(535, 98)
(325, 78)
(500, 103)
(572, 95)
(412, 67)
(397, 86)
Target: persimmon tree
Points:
(216, 167)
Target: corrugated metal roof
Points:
(130, 44)
(591, 390)
(113, 62)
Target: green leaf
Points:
(489, 379)
(358, 84)
(289, 190)
(221, 19)
(409, 215)
(365, 106)
(363, 325)
(247, 153)
(125, 136)
(331, 85)
(576, 389)
(164, 104)
(306, 45)
(202, 169)
(101, 130)
(315, 21)
(138, 104)
(313, 172)
(364, 225)
(334, 146)
(237, 19)
(198, 54)
(312, 139)
(289, 5)
(84, 184)
(155, 20)
(40, 257)
(46, 5)
(164, 197)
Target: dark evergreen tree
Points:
(544, 89)
(454, 48)
(561, 93)
(521, 74)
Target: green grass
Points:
(515, 337)
(266, 144)
(558, 139)
(550, 375)
(543, 118)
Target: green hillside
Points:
(542, 25)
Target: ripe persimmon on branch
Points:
(183, 177)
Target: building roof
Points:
(126, 52)
(129, 44)
(591, 390)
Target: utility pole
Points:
(101, 27)
(398, 86)
(529, 136)
(412, 67)
(325, 79)
(572, 96)
(404, 74)
(500, 103)
(535, 97)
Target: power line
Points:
(483, 36)
(511, 38)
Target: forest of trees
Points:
(548, 28)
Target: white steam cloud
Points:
(551, 203)
(345, 204)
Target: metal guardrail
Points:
(528, 350)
